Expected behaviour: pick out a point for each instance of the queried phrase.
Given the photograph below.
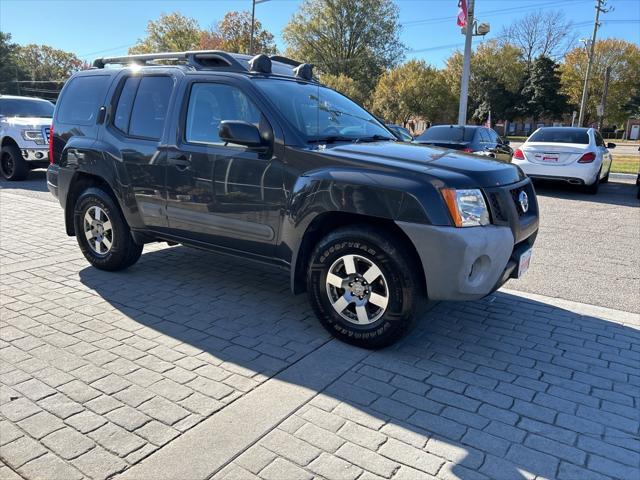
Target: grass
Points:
(626, 164)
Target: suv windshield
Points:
(321, 114)
(446, 133)
(24, 107)
(561, 135)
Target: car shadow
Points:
(36, 181)
(615, 192)
(505, 386)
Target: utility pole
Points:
(583, 104)
(605, 91)
(253, 21)
(466, 65)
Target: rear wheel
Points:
(594, 187)
(102, 232)
(363, 287)
(12, 166)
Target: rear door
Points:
(221, 194)
(134, 132)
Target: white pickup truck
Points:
(24, 135)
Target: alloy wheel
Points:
(98, 230)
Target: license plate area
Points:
(524, 262)
(547, 157)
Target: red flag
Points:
(462, 13)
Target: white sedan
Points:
(574, 155)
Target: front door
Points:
(224, 195)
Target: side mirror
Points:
(611, 145)
(240, 133)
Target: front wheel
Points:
(12, 166)
(102, 232)
(363, 286)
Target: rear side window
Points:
(149, 107)
(448, 134)
(560, 135)
(82, 97)
(125, 103)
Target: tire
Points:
(594, 187)
(605, 179)
(397, 287)
(12, 166)
(102, 232)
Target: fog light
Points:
(39, 155)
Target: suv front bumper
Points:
(463, 263)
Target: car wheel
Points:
(594, 187)
(102, 232)
(363, 286)
(12, 166)
(605, 179)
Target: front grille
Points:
(515, 194)
(496, 209)
(47, 133)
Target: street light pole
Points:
(253, 20)
(585, 89)
(466, 65)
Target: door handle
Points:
(181, 162)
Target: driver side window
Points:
(212, 103)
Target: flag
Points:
(462, 13)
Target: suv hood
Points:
(33, 122)
(441, 163)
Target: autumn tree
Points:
(540, 34)
(10, 71)
(542, 94)
(345, 85)
(45, 63)
(624, 59)
(413, 89)
(170, 33)
(233, 34)
(358, 39)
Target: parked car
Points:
(469, 138)
(400, 132)
(252, 157)
(568, 154)
(24, 135)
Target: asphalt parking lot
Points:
(191, 365)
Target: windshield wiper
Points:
(332, 139)
(374, 138)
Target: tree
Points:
(359, 39)
(345, 85)
(624, 59)
(543, 33)
(170, 33)
(632, 107)
(542, 94)
(497, 78)
(233, 34)
(413, 89)
(44, 63)
(9, 68)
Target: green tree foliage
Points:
(413, 89)
(359, 39)
(624, 59)
(497, 76)
(9, 68)
(170, 33)
(632, 107)
(233, 33)
(42, 62)
(542, 96)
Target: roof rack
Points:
(285, 60)
(198, 59)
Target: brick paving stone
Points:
(79, 391)
(85, 421)
(408, 455)
(49, 467)
(157, 433)
(163, 410)
(367, 459)
(8, 432)
(127, 417)
(281, 468)
(290, 447)
(21, 451)
(68, 443)
(116, 439)
(319, 437)
(41, 424)
(18, 409)
(256, 458)
(98, 463)
(330, 466)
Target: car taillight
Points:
(467, 149)
(51, 162)
(518, 155)
(587, 157)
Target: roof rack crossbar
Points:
(198, 59)
(285, 60)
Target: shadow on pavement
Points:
(518, 387)
(614, 192)
(36, 181)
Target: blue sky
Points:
(92, 28)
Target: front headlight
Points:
(467, 207)
(34, 136)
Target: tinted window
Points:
(150, 107)
(82, 96)
(599, 140)
(25, 107)
(445, 133)
(560, 135)
(125, 102)
(210, 104)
